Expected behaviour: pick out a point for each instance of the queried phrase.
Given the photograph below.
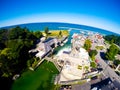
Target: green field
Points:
(55, 33)
(40, 79)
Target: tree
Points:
(116, 62)
(86, 68)
(38, 34)
(87, 44)
(113, 39)
(14, 46)
(112, 52)
(7, 62)
(79, 67)
(2, 46)
(60, 34)
(92, 54)
(14, 33)
(14, 55)
(93, 65)
(46, 32)
(3, 38)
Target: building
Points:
(96, 38)
(78, 39)
(45, 47)
(74, 62)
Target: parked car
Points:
(100, 69)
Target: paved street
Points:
(85, 86)
(108, 71)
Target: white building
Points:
(45, 47)
(76, 62)
(97, 38)
(78, 39)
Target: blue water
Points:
(65, 26)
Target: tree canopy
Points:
(92, 54)
(14, 46)
(60, 34)
(87, 44)
(112, 52)
(46, 30)
(113, 39)
(14, 57)
(93, 64)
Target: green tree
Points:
(79, 67)
(46, 32)
(112, 52)
(60, 34)
(93, 65)
(116, 62)
(2, 46)
(15, 33)
(113, 39)
(87, 44)
(30, 62)
(14, 46)
(92, 54)
(7, 60)
(86, 68)
(38, 34)
(14, 55)
(3, 38)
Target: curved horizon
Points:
(65, 18)
(102, 14)
(68, 27)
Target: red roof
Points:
(96, 60)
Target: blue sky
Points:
(98, 13)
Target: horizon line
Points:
(58, 22)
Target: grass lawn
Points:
(99, 47)
(40, 79)
(55, 33)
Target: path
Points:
(108, 71)
(40, 62)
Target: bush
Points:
(112, 52)
(116, 62)
(93, 65)
(79, 67)
(92, 54)
(99, 47)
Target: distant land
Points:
(61, 26)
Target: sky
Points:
(103, 14)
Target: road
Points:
(108, 71)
